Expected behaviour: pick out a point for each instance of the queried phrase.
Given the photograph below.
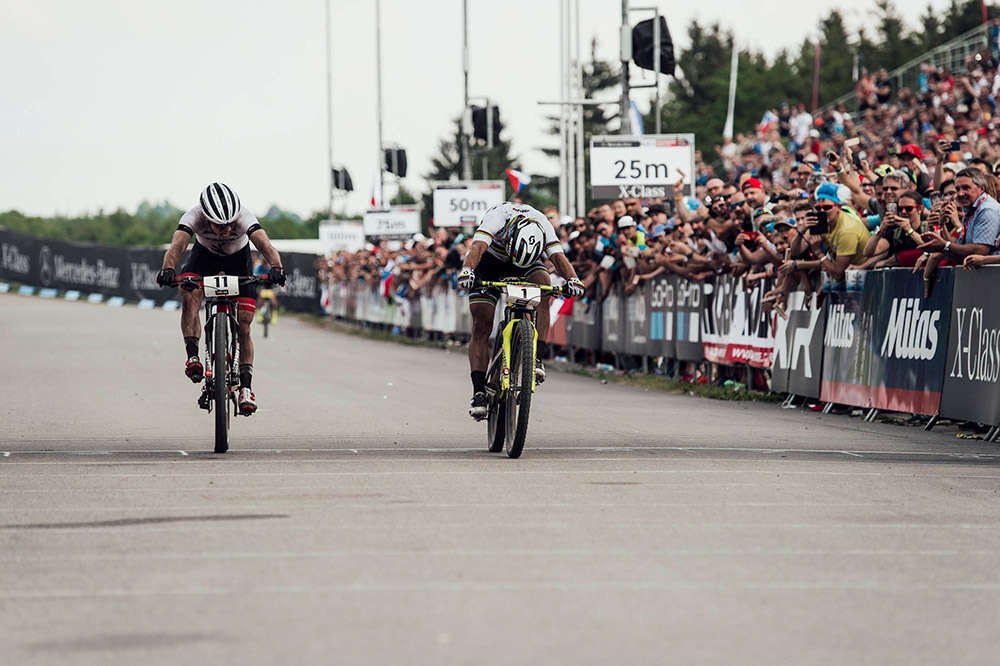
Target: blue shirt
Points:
(984, 227)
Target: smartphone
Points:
(607, 262)
(955, 146)
(890, 209)
(851, 143)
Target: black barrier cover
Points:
(688, 303)
(636, 321)
(613, 324)
(659, 299)
(126, 272)
(846, 350)
(909, 338)
(781, 359)
(805, 346)
(301, 292)
(972, 369)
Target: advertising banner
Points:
(805, 350)
(689, 303)
(398, 222)
(342, 236)
(972, 368)
(457, 204)
(909, 338)
(585, 329)
(737, 330)
(659, 299)
(613, 326)
(847, 342)
(637, 321)
(639, 166)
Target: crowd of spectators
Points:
(908, 178)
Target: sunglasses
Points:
(948, 195)
(906, 209)
(734, 206)
(824, 209)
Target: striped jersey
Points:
(494, 229)
(195, 223)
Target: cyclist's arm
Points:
(178, 244)
(563, 267)
(263, 244)
(475, 254)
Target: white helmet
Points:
(219, 203)
(525, 241)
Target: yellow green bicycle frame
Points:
(506, 334)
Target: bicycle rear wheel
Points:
(522, 371)
(221, 381)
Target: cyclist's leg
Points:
(245, 309)
(482, 325)
(190, 312)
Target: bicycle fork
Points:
(508, 333)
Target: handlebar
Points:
(546, 289)
(191, 283)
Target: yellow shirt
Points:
(848, 237)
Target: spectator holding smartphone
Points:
(895, 241)
(843, 231)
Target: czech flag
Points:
(518, 180)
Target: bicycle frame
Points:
(520, 308)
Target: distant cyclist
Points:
(222, 230)
(261, 270)
(512, 240)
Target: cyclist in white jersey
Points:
(222, 231)
(512, 240)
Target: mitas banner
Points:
(972, 370)
(909, 338)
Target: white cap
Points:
(565, 220)
(625, 221)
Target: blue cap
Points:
(658, 230)
(829, 191)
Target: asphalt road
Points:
(358, 518)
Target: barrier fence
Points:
(874, 341)
(126, 272)
(877, 343)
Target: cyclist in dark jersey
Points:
(222, 232)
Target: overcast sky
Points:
(106, 103)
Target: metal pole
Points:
(562, 109)
(378, 86)
(329, 114)
(489, 139)
(656, 66)
(570, 208)
(581, 201)
(626, 47)
(466, 167)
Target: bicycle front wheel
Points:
(522, 372)
(220, 368)
(495, 419)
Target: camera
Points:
(955, 146)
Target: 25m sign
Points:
(640, 166)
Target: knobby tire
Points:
(522, 370)
(221, 381)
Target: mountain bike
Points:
(222, 379)
(510, 377)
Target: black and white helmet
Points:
(525, 241)
(220, 204)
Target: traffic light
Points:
(342, 179)
(642, 46)
(395, 161)
(481, 123)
